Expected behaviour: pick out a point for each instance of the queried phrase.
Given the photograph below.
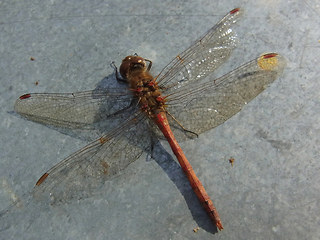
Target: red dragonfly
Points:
(179, 103)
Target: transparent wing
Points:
(200, 108)
(203, 57)
(72, 110)
(80, 174)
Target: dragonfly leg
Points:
(150, 64)
(118, 75)
(153, 142)
(132, 103)
(184, 129)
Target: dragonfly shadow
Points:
(173, 170)
(94, 131)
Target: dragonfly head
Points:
(131, 64)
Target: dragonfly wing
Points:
(83, 172)
(203, 57)
(204, 107)
(72, 110)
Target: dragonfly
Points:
(179, 103)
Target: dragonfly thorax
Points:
(141, 82)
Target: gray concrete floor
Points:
(271, 192)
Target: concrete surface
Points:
(271, 192)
